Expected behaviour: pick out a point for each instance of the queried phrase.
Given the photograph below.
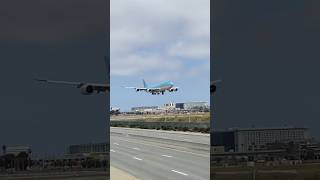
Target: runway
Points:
(160, 155)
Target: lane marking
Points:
(112, 150)
(179, 172)
(172, 149)
(166, 156)
(116, 144)
(136, 148)
(137, 158)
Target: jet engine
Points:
(173, 89)
(213, 88)
(87, 89)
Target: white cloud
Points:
(158, 36)
(191, 50)
(140, 64)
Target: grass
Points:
(203, 117)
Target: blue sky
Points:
(159, 40)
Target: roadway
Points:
(160, 155)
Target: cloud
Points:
(158, 36)
(191, 50)
(140, 64)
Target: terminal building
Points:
(255, 139)
(169, 106)
(180, 106)
(144, 109)
(172, 107)
(196, 105)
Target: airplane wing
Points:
(137, 88)
(155, 90)
(77, 84)
(88, 88)
(145, 89)
(130, 87)
(99, 87)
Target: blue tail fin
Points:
(144, 83)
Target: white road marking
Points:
(136, 148)
(166, 156)
(172, 149)
(179, 172)
(137, 158)
(116, 144)
(112, 150)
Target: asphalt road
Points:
(147, 156)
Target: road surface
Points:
(160, 155)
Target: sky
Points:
(159, 40)
(267, 55)
(60, 40)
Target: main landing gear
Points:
(157, 93)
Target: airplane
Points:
(213, 86)
(85, 88)
(156, 89)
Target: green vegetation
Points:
(172, 126)
(194, 122)
(202, 117)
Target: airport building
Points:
(169, 106)
(173, 107)
(144, 109)
(255, 139)
(180, 106)
(196, 105)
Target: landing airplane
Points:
(213, 86)
(156, 88)
(85, 88)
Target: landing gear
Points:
(157, 93)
